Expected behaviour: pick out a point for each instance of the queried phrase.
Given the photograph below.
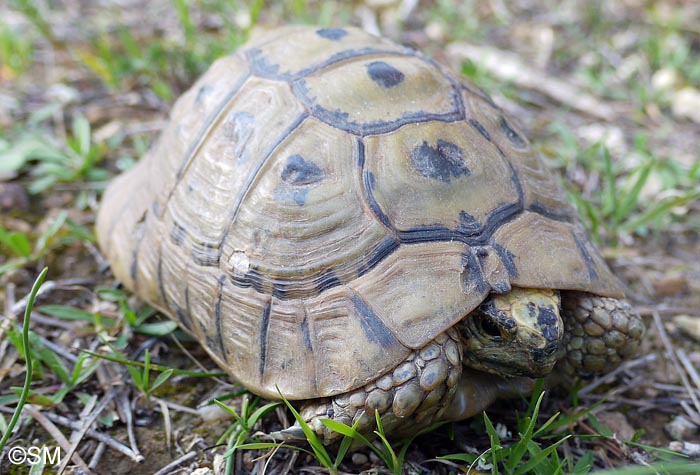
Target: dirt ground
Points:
(575, 77)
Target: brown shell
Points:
(324, 201)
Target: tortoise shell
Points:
(324, 201)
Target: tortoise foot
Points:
(600, 333)
(414, 395)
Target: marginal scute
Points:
(558, 265)
(347, 363)
(425, 296)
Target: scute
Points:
(436, 178)
(302, 225)
(541, 189)
(293, 52)
(367, 95)
(324, 202)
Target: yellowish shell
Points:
(324, 201)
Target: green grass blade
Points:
(659, 210)
(631, 199)
(495, 442)
(260, 412)
(162, 378)
(319, 450)
(539, 457)
(27, 359)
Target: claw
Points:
(290, 434)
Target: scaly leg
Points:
(414, 395)
(600, 333)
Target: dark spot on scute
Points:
(301, 172)
(281, 289)
(333, 34)
(480, 128)
(511, 134)
(442, 162)
(381, 250)
(509, 324)
(473, 274)
(177, 234)
(213, 344)
(305, 334)
(204, 91)
(468, 225)
(262, 66)
(217, 311)
(371, 324)
(264, 327)
(206, 254)
(327, 280)
(370, 183)
(587, 259)
(384, 74)
(508, 259)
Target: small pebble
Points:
(13, 197)
(689, 326)
(618, 423)
(359, 459)
(670, 285)
(681, 428)
(212, 413)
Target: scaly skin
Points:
(462, 371)
(413, 396)
(600, 333)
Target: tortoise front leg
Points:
(414, 395)
(600, 333)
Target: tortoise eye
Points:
(488, 327)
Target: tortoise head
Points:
(518, 333)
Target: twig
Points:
(97, 455)
(129, 420)
(78, 436)
(613, 374)
(93, 434)
(167, 423)
(47, 287)
(176, 463)
(674, 359)
(175, 406)
(689, 368)
(59, 438)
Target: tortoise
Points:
(341, 220)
